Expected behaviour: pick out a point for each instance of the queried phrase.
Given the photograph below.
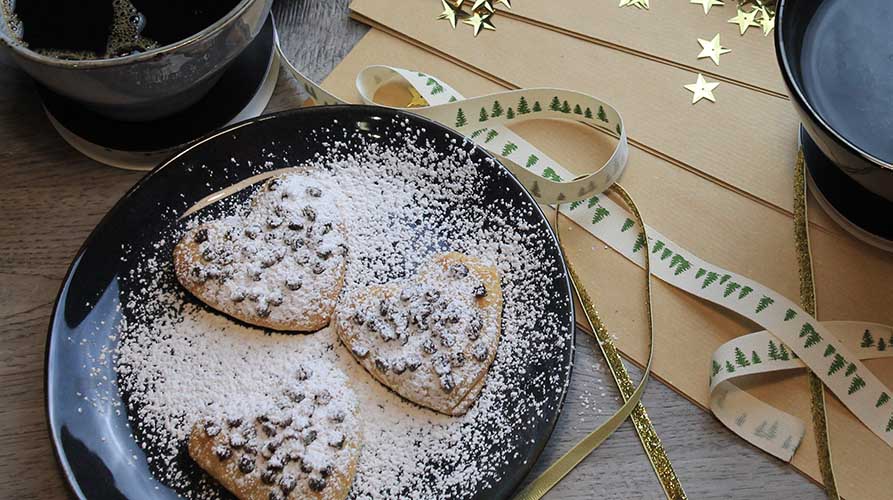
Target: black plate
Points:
(85, 315)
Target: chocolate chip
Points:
(319, 268)
(237, 295)
(429, 347)
(475, 324)
(274, 222)
(268, 476)
(275, 299)
(480, 352)
(295, 225)
(384, 307)
(222, 452)
(337, 416)
(251, 232)
(309, 213)
(237, 440)
(269, 259)
(314, 192)
(302, 258)
(326, 228)
(263, 309)
(458, 359)
(277, 462)
(275, 495)
(233, 421)
(459, 270)
(446, 382)
(406, 294)
(413, 362)
(246, 464)
(212, 430)
(357, 318)
(442, 365)
(342, 249)
(386, 331)
(480, 290)
(201, 235)
(317, 484)
(308, 436)
(199, 274)
(324, 254)
(432, 295)
(359, 351)
(249, 449)
(294, 395)
(209, 254)
(269, 429)
(382, 365)
(294, 456)
(288, 483)
(293, 284)
(447, 340)
(305, 467)
(337, 441)
(274, 184)
(326, 471)
(254, 273)
(303, 373)
(324, 397)
(399, 366)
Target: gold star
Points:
(702, 89)
(745, 20)
(478, 22)
(449, 13)
(482, 3)
(417, 100)
(641, 4)
(712, 49)
(707, 4)
(767, 20)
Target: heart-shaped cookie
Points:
(305, 447)
(278, 264)
(431, 338)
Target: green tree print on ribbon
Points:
(510, 113)
(765, 433)
(453, 98)
(744, 292)
(592, 202)
(461, 121)
(783, 355)
(881, 401)
(576, 204)
(812, 336)
(578, 110)
(657, 246)
(437, 89)
(667, 252)
(509, 148)
(565, 107)
(890, 424)
(850, 369)
(627, 225)
(531, 160)
(790, 314)
(431, 82)
(491, 135)
(640, 242)
(701, 272)
(725, 277)
(522, 106)
(729, 367)
(829, 350)
(764, 303)
(600, 214)
(483, 117)
(730, 289)
(602, 115)
(497, 109)
(680, 263)
(787, 443)
(741, 358)
(867, 339)
(856, 384)
(710, 279)
(837, 364)
(555, 105)
(881, 344)
(536, 107)
(478, 132)
(716, 368)
(760, 431)
(549, 173)
(588, 113)
(741, 419)
(773, 350)
(755, 358)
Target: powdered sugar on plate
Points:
(402, 200)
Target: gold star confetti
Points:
(745, 20)
(702, 89)
(449, 13)
(478, 22)
(482, 3)
(507, 3)
(707, 4)
(417, 101)
(641, 4)
(712, 49)
(767, 20)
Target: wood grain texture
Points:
(52, 197)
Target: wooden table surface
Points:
(52, 197)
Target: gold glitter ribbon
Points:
(632, 406)
(808, 302)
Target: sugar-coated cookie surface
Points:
(430, 338)
(305, 447)
(277, 264)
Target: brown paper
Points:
(721, 225)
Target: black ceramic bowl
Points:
(798, 22)
(152, 84)
(97, 447)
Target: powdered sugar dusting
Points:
(402, 202)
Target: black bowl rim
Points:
(70, 480)
(797, 94)
(19, 48)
